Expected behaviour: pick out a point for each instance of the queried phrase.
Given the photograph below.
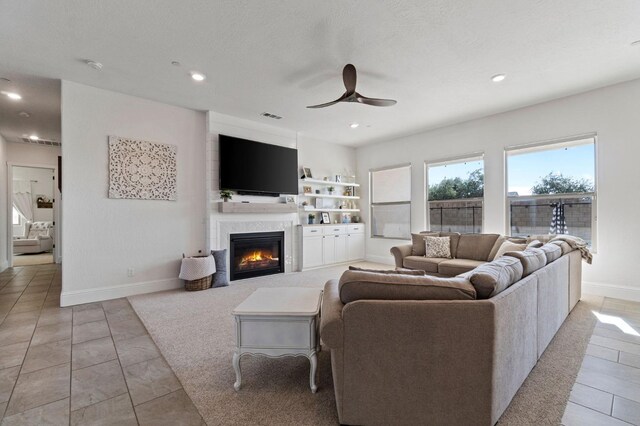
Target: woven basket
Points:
(195, 285)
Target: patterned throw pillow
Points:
(438, 247)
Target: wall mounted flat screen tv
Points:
(256, 168)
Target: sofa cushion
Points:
(535, 244)
(509, 246)
(564, 246)
(455, 239)
(358, 285)
(427, 264)
(437, 247)
(494, 277)
(496, 246)
(389, 271)
(532, 259)
(453, 267)
(552, 251)
(33, 242)
(417, 242)
(475, 246)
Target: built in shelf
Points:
(231, 207)
(341, 197)
(328, 182)
(331, 210)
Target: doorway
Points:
(32, 204)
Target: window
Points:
(455, 194)
(16, 217)
(551, 189)
(391, 202)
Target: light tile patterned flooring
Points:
(96, 364)
(90, 364)
(607, 390)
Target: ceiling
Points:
(40, 99)
(435, 57)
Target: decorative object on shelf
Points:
(326, 178)
(44, 202)
(325, 218)
(142, 170)
(355, 219)
(346, 218)
(306, 173)
(312, 218)
(338, 178)
(289, 199)
(317, 191)
(226, 195)
(305, 203)
(348, 191)
(197, 272)
(331, 189)
(306, 189)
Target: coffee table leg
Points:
(312, 374)
(236, 368)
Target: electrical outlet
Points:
(131, 272)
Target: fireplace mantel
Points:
(234, 207)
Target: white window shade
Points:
(391, 185)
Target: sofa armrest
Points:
(331, 325)
(43, 237)
(400, 252)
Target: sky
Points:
(525, 170)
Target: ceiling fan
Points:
(349, 76)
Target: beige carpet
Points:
(32, 259)
(195, 333)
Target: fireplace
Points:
(256, 254)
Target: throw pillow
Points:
(509, 246)
(417, 242)
(219, 279)
(437, 247)
(402, 271)
(494, 277)
(535, 244)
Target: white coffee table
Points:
(279, 322)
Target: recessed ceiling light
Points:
(198, 76)
(175, 63)
(12, 95)
(93, 64)
(498, 78)
(6, 80)
(353, 125)
(24, 114)
(635, 43)
(34, 137)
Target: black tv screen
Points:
(257, 168)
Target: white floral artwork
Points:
(141, 170)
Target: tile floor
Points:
(607, 390)
(96, 364)
(90, 364)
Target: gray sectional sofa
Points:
(427, 349)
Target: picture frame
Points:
(306, 173)
(289, 199)
(338, 178)
(306, 189)
(325, 218)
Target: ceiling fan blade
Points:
(349, 77)
(340, 99)
(375, 102)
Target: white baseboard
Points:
(69, 298)
(385, 260)
(611, 290)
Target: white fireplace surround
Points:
(226, 228)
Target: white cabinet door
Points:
(355, 246)
(341, 248)
(312, 251)
(329, 249)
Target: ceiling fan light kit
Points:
(349, 77)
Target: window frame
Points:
(472, 156)
(372, 204)
(550, 145)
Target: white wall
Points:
(611, 112)
(4, 220)
(105, 237)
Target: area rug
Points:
(195, 333)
